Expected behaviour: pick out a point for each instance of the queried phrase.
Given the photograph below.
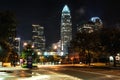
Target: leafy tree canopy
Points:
(7, 22)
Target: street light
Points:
(54, 46)
(25, 44)
(32, 46)
(72, 59)
(39, 53)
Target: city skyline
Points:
(48, 14)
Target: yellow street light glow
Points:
(33, 46)
(25, 43)
(55, 47)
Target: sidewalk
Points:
(73, 65)
(92, 65)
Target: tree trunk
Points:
(114, 62)
(89, 58)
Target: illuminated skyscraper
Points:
(38, 37)
(17, 44)
(98, 22)
(66, 29)
(94, 24)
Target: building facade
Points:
(66, 29)
(98, 22)
(17, 45)
(95, 23)
(38, 37)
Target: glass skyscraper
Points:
(38, 37)
(66, 29)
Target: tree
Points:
(88, 44)
(23, 55)
(7, 24)
(29, 51)
(83, 43)
(110, 40)
(4, 49)
(7, 33)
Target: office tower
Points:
(66, 29)
(95, 23)
(38, 37)
(87, 27)
(98, 22)
(17, 45)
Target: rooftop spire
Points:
(65, 9)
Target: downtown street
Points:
(60, 72)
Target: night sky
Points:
(47, 13)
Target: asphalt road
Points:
(85, 73)
(59, 73)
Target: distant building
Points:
(38, 37)
(12, 35)
(66, 29)
(8, 27)
(17, 45)
(86, 27)
(95, 23)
